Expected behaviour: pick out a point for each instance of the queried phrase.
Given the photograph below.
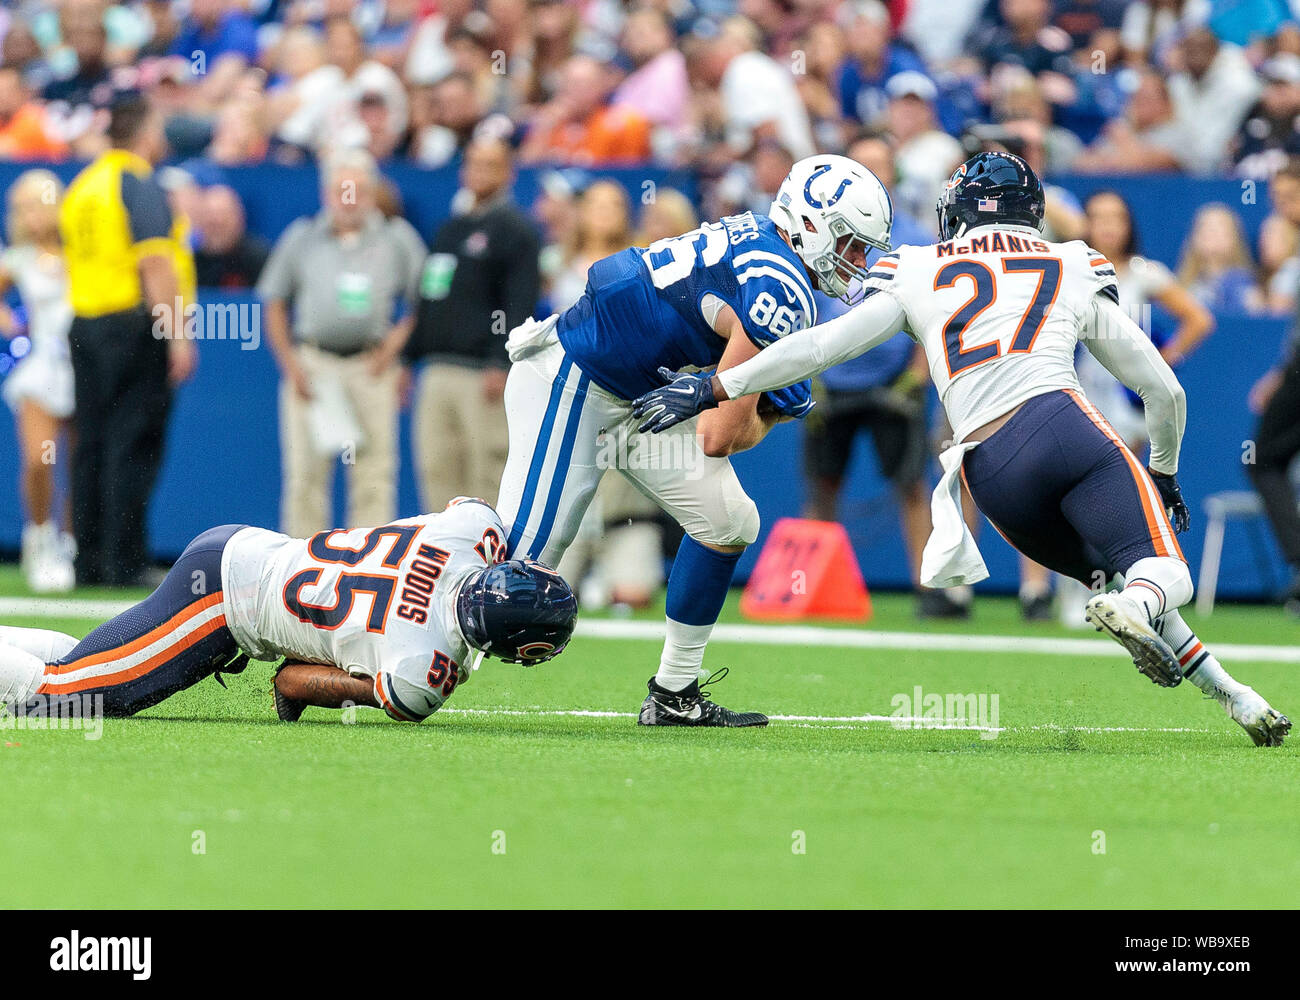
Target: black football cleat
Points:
(689, 707)
(287, 709)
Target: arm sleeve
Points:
(806, 353)
(1128, 354)
(404, 701)
(146, 208)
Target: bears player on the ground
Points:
(384, 617)
(998, 310)
(708, 299)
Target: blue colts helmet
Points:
(990, 188)
(518, 611)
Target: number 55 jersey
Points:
(998, 311)
(376, 602)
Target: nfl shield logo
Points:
(987, 205)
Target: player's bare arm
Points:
(737, 425)
(324, 686)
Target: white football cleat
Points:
(1127, 623)
(1263, 723)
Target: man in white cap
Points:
(926, 154)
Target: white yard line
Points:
(834, 721)
(755, 635)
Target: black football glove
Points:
(686, 394)
(1172, 497)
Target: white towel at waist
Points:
(529, 337)
(951, 557)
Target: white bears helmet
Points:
(826, 205)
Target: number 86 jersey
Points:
(376, 602)
(648, 307)
(998, 311)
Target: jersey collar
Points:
(1006, 227)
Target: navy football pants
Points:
(171, 640)
(1059, 484)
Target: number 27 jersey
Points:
(998, 312)
(376, 602)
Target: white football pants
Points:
(566, 432)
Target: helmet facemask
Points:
(833, 210)
(836, 273)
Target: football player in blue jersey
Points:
(709, 299)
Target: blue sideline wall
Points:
(222, 461)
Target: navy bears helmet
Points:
(519, 611)
(990, 188)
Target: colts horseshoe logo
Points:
(839, 192)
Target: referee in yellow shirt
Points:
(120, 241)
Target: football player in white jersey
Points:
(998, 310)
(385, 617)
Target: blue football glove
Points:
(1171, 495)
(686, 394)
(792, 401)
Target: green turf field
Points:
(502, 801)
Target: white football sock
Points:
(1200, 666)
(683, 655)
(20, 674)
(1159, 584)
(45, 643)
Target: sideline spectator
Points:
(1216, 266)
(480, 281)
(346, 273)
